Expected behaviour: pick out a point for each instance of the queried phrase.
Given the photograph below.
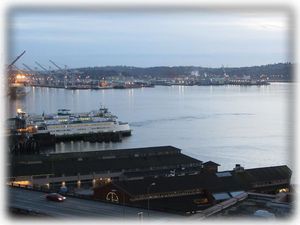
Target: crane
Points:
(16, 59)
(51, 73)
(65, 74)
(41, 66)
(35, 74)
(27, 67)
(225, 75)
(55, 65)
(21, 75)
(17, 68)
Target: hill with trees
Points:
(278, 71)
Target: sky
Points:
(149, 38)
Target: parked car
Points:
(55, 197)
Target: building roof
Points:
(116, 153)
(178, 204)
(211, 163)
(143, 159)
(179, 183)
(234, 181)
(269, 173)
(162, 172)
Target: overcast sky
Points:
(144, 39)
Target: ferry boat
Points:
(67, 124)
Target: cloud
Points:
(44, 38)
(149, 34)
(128, 21)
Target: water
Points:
(226, 124)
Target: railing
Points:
(220, 206)
(167, 195)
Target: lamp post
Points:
(148, 190)
(123, 204)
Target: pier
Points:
(172, 181)
(37, 143)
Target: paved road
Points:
(74, 207)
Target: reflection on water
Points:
(226, 124)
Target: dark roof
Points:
(162, 172)
(88, 165)
(209, 181)
(178, 183)
(211, 163)
(266, 173)
(178, 205)
(117, 153)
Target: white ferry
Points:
(67, 124)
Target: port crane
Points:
(18, 69)
(22, 74)
(27, 67)
(11, 77)
(43, 68)
(48, 71)
(57, 66)
(33, 73)
(65, 75)
(21, 71)
(16, 59)
(224, 72)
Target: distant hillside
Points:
(278, 71)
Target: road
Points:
(74, 207)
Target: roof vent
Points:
(238, 168)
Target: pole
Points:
(123, 204)
(148, 201)
(148, 204)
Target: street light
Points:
(123, 204)
(148, 190)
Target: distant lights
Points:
(283, 190)
(19, 76)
